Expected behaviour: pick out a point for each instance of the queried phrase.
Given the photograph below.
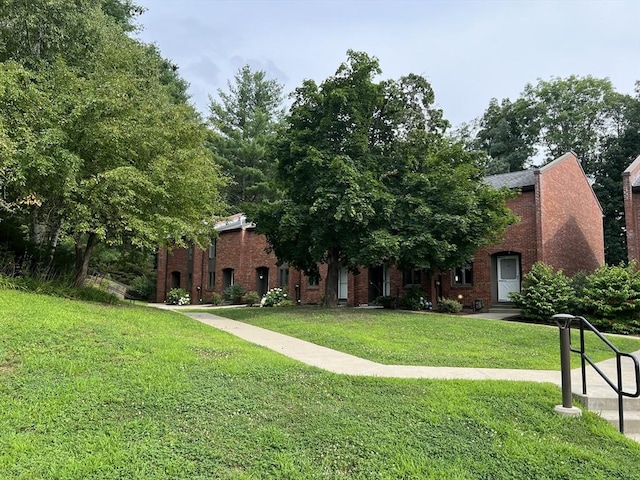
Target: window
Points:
(211, 280)
(212, 249)
(283, 276)
(411, 277)
(463, 275)
(313, 280)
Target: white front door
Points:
(386, 281)
(508, 276)
(342, 284)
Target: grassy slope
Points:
(88, 391)
(407, 338)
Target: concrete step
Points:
(631, 420)
(599, 403)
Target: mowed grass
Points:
(430, 339)
(107, 392)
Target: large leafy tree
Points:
(100, 147)
(618, 151)
(508, 134)
(245, 121)
(368, 177)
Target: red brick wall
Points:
(632, 209)
(519, 238)
(571, 218)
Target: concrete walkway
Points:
(343, 363)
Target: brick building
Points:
(631, 190)
(560, 224)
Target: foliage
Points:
(251, 298)
(143, 287)
(368, 177)
(177, 296)
(285, 303)
(58, 287)
(544, 293)
(414, 299)
(274, 297)
(507, 133)
(234, 293)
(97, 143)
(613, 293)
(245, 121)
(446, 305)
(102, 392)
(215, 299)
(387, 301)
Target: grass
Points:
(405, 338)
(111, 392)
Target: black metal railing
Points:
(618, 387)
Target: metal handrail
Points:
(584, 359)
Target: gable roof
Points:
(632, 169)
(523, 178)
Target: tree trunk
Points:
(83, 255)
(331, 282)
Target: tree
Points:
(368, 177)
(245, 121)
(508, 134)
(102, 148)
(574, 114)
(618, 151)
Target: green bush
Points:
(235, 293)
(446, 305)
(252, 298)
(612, 293)
(387, 301)
(93, 294)
(215, 299)
(544, 293)
(285, 303)
(414, 299)
(178, 296)
(274, 298)
(142, 287)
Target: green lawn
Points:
(107, 392)
(430, 339)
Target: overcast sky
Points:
(470, 51)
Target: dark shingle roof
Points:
(524, 178)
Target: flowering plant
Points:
(178, 296)
(273, 298)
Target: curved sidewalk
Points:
(339, 362)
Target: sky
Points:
(469, 50)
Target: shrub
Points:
(414, 299)
(92, 294)
(544, 293)
(142, 287)
(387, 301)
(215, 299)
(285, 303)
(446, 305)
(613, 292)
(178, 296)
(273, 298)
(252, 298)
(235, 293)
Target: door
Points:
(508, 276)
(342, 284)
